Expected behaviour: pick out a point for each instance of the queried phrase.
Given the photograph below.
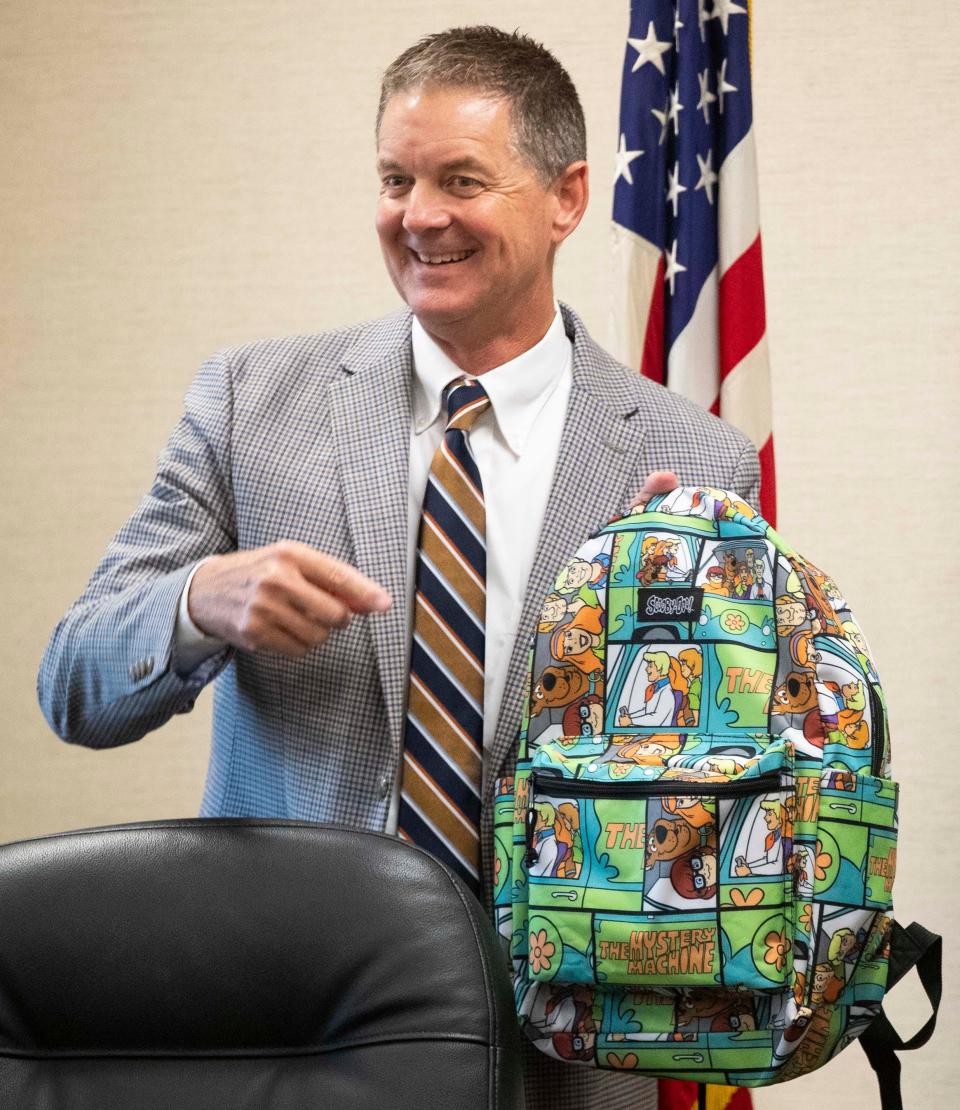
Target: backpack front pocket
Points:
(674, 883)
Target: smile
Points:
(442, 259)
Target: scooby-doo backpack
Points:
(695, 857)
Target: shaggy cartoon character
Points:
(580, 641)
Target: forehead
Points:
(439, 123)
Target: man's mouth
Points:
(442, 259)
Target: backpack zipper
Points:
(878, 734)
(583, 788)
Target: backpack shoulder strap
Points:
(913, 946)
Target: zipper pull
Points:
(531, 856)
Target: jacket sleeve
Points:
(746, 476)
(108, 675)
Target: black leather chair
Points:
(238, 964)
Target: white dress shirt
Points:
(515, 444)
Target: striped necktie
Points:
(443, 743)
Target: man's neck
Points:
(477, 349)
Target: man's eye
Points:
(393, 181)
(461, 182)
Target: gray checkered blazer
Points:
(307, 438)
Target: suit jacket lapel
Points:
(371, 415)
(599, 450)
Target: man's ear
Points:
(572, 191)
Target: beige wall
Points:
(177, 177)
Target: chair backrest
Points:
(261, 964)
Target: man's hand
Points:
(657, 481)
(286, 597)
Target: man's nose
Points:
(426, 210)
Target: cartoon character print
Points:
(581, 641)
(737, 569)
(545, 847)
(680, 852)
(584, 717)
(570, 1009)
(714, 1011)
(584, 580)
(557, 845)
(556, 609)
(660, 560)
(767, 856)
(846, 725)
(816, 589)
(557, 687)
(657, 691)
(796, 700)
(694, 876)
(703, 501)
(648, 751)
(793, 623)
(691, 670)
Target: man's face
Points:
(452, 187)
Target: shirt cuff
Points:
(191, 646)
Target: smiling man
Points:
(353, 531)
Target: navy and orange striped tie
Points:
(443, 744)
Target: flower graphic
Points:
(497, 868)
(777, 949)
(623, 1062)
(822, 862)
(806, 916)
(733, 621)
(541, 950)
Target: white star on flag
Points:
(676, 30)
(702, 18)
(707, 177)
(649, 50)
(664, 118)
(674, 188)
(706, 96)
(723, 9)
(673, 112)
(723, 86)
(673, 266)
(624, 158)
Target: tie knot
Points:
(466, 400)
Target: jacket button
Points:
(385, 784)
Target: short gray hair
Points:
(545, 112)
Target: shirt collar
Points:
(517, 389)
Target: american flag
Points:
(688, 302)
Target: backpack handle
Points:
(913, 946)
